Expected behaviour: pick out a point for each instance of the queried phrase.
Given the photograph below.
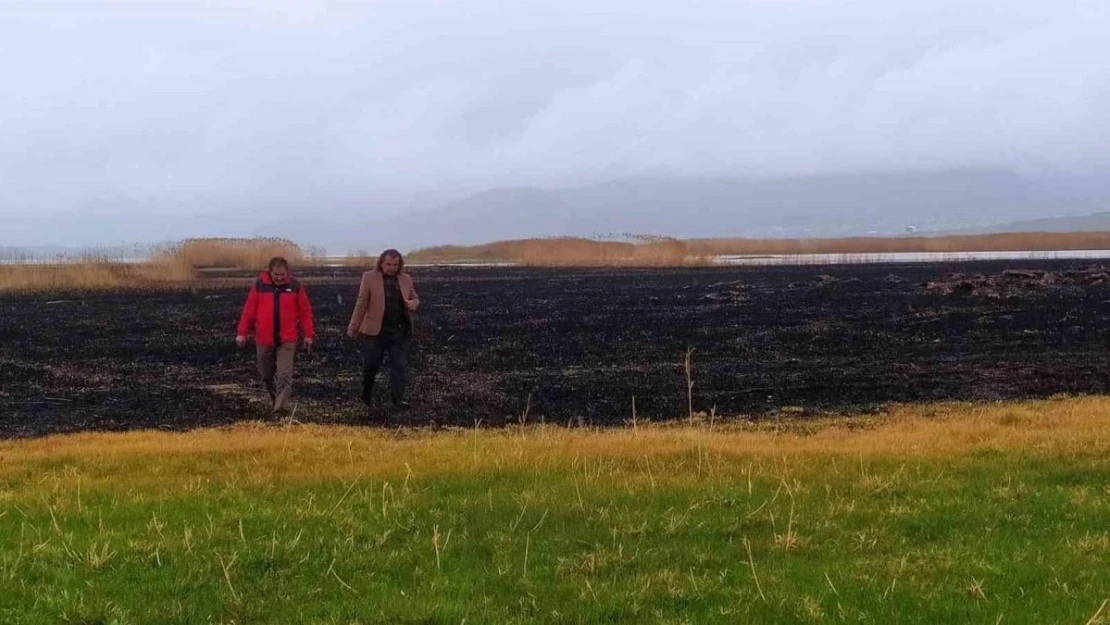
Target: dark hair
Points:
(278, 261)
(391, 253)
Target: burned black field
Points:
(495, 345)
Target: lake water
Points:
(906, 257)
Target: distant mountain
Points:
(1095, 222)
(812, 206)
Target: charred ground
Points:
(494, 344)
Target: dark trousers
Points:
(275, 365)
(393, 342)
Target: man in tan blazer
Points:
(383, 317)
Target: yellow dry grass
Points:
(170, 265)
(258, 453)
(91, 274)
(663, 251)
(568, 251)
(178, 262)
(252, 253)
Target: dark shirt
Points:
(394, 305)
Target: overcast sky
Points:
(131, 119)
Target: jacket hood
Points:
(264, 276)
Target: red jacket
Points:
(261, 313)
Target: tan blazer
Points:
(370, 305)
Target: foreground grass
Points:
(950, 513)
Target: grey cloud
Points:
(249, 107)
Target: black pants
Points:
(389, 341)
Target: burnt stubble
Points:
(504, 345)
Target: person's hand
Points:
(241, 340)
(308, 345)
(411, 304)
(351, 333)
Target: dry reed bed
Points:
(168, 265)
(231, 253)
(568, 251)
(999, 242)
(177, 263)
(92, 274)
(663, 251)
(255, 453)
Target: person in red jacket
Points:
(276, 305)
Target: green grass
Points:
(541, 525)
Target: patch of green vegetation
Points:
(667, 539)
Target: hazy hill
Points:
(1095, 222)
(817, 206)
